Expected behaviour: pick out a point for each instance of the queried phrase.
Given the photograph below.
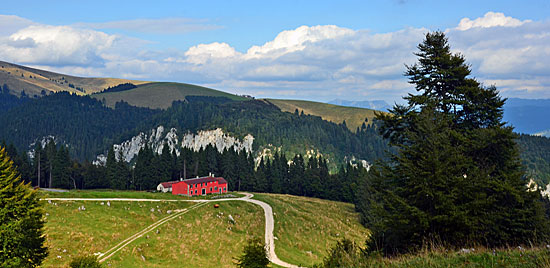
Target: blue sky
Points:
(317, 50)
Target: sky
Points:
(312, 50)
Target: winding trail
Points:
(268, 212)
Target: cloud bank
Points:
(310, 62)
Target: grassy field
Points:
(337, 114)
(71, 232)
(161, 95)
(306, 228)
(123, 194)
(202, 238)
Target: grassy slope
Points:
(42, 80)
(307, 228)
(512, 258)
(98, 228)
(354, 116)
(202, 238)
(121, 194)
(161, 94)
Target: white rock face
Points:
(43, 142)
(218, 139)
(359, 162)
(546, 192)
(158, 138)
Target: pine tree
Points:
(456, 178)
(21, 223)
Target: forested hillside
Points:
(535, 157)
(83, 123)
(88, 127)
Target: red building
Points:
(200, 186)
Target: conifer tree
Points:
(21, 223)
(456, 178)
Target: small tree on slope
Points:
(254, 255)
(21, 224)
(457, 178)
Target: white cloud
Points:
(309, 62)
(296, 40)
(204, 53)
(56, 45)
(491, 19)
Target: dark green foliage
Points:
(117, 88)
(254, 255)
(535, 157)
(345, 254)
(456, 179)
(21, 223)
(9, 101)
(84, 123)
(85, 262)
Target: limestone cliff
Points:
(158, 138)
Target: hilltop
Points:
(157, 95)
(353, 116)
(33, 81)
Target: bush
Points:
(89, 261)
(345, 254)
(254, 255)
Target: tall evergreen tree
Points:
(21, 223)
(456, 178)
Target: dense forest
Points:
(53, 167)
(89, 128)
(535, 157)
(9, 101)
(117, 88)
(83, 123)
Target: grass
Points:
(306, 228)
(71, 232)
(334, 113)
(481, 257)
(54, 82)
(161, 94)
(202, 238)
(123, 194)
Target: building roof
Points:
(168, 184)
(220, 180)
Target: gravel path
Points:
(268, 211)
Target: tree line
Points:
(53, 167)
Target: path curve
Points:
(268, 212)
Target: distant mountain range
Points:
(528, 116)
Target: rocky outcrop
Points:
(218, 139)
(158, 138)
(354, 162)
(42, 141)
